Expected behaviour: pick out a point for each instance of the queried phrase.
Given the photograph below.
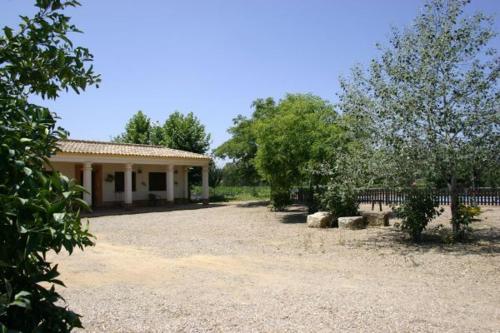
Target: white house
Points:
(115, 173)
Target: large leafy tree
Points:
(282, 143)
(293, 138)
(185, 132)
(433, 95)
(39, 212)
(137, 130)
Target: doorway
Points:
(96, 182)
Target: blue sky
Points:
(215, 57)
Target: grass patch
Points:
(234, 193)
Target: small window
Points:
(120, 181)
(157, 181)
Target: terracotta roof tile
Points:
(123, 149)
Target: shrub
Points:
(280, 198)
(465, 216)
(419, 208)
(39, 211)
(340, 200)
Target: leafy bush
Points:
(280, 198)
(465, 216)
(39, 211)
(419, 208)
(340, 200)
(234, 193)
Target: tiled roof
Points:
(123, 149)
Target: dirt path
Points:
(243, 268)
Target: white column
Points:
(170, 183)
(87, 183)
(128, 184)
(186, 182)
(204, 181)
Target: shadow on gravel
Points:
(251, 204)
(482, 241)
(294, 218)
(155, 209)
(294, 214)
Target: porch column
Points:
(128, 184)
(204, 181)
(170, 183)
(186, 183)
(87, 183)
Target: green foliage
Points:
(215, 175)
(138, 130)
(419, 208)
(465, 216)
(241, 148)
(339, 199)
(39, 212)
(235, 193)
(354, 164)
(432, 98)
(282, 143)
(235, 174)
(185, 132)
(293, 137)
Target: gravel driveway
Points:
(241, 268)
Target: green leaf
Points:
(27, 171)
(59, 217)
(22, 299)
(8, 32)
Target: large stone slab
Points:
(319, 220)
(352, 222)
(375, 219)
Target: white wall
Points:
(67, 169)
(142, 186)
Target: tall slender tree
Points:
(433, 95)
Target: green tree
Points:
(215, 175)
(137, 130)
(241, 148)
(156, 134)
(433, 96)
(293, 138)
(39, 212)
(185, 132)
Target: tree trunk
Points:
(454, 204)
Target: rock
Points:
(376, 218)
(319, 220)
(352, 222)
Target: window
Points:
(157, 181)
(120, 181)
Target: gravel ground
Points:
(239, 267)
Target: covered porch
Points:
(124, 174)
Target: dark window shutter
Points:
(157, 181)
(119, 181)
